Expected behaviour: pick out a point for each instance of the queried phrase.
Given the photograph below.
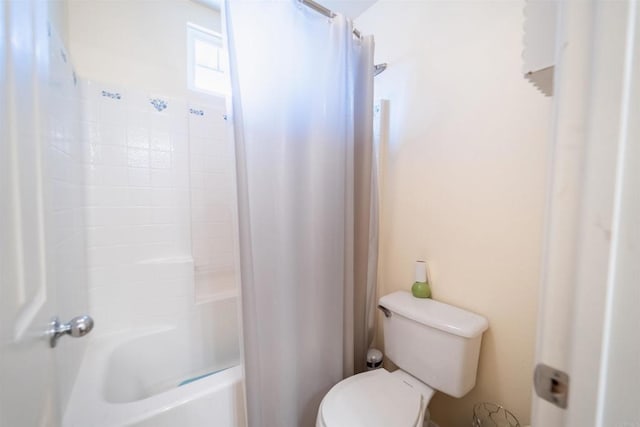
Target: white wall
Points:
(135, 43)
(464, 179)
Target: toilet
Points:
(436, 348)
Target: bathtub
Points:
(182, 374)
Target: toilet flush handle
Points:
(385, 310)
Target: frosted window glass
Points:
(206, 55)
(206, 61)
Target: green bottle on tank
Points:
(421, 288)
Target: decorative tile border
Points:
(112, 95)
(158, 104)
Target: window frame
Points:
(196, 32)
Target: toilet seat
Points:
(373, 399)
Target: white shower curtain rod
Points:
(326, 12)
(379, 68)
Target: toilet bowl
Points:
(436, 348)
(376, 398)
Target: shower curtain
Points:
(302, 109)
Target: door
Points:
(41, 240)
(589, 318)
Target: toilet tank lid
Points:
(435, 314)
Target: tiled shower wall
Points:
(159, 175)
(64, 199)
(212, 202)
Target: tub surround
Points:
(160, 212)
(159, 205)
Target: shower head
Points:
(378, 68)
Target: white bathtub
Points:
(133, 378)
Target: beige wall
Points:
(135, 43)
(464, 179)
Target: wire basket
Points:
(488, 414)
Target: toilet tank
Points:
(435, 342)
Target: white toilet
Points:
(435, 347)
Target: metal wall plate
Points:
(551, 385)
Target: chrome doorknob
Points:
(77, 327)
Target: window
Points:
(207, 61)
